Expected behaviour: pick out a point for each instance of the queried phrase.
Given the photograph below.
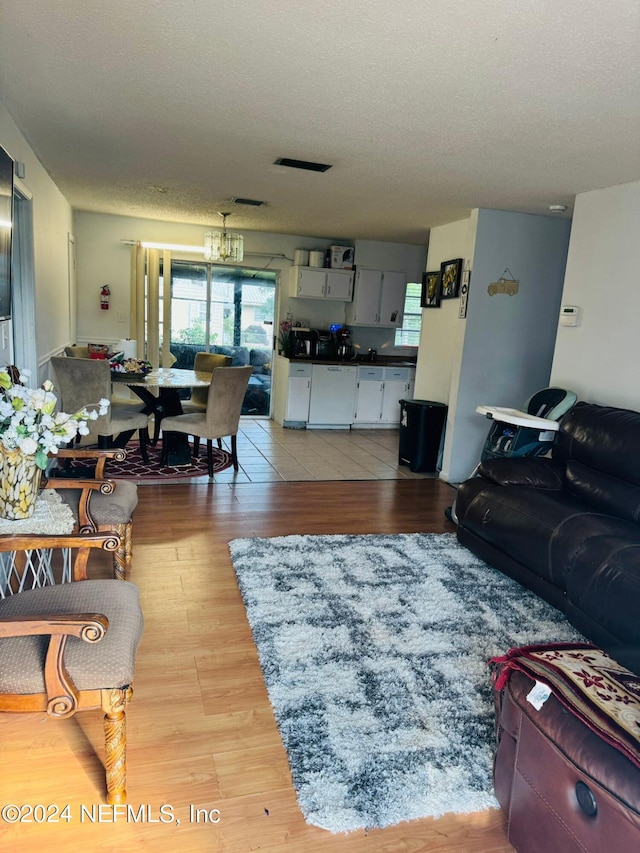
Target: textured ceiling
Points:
(425, 108)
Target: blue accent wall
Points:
(509, 340)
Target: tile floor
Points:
(267, 452)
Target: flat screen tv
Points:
(6, 221)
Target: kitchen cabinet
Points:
(292, 391)
(398, 385)
(320, 283)
(369, 394)
(333, 396)
(378, 298)
(379, 392)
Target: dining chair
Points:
(222, 416)
(71, 647)
(77, 352)
(82, 381)
(205, 362)
(98, 504)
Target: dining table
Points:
(159, 391)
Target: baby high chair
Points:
(530, 431)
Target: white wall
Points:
(102, 258)
(442, 332)
(599, 358)
(52, 224)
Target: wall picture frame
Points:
(450, 272)
(430, 297)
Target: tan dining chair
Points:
(82, 381)
(221, 418)
(71, 647)
(77, 352)
(204, 362)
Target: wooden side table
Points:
(51, 517)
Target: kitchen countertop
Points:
(381, 361)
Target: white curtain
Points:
(145, 303)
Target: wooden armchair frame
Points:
(123, 555)
(62, 698)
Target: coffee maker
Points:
(344, 348)
(303, 342)
(325, 345)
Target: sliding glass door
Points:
(229, 310)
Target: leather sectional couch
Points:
(567, 526)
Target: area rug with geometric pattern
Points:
(136, 469)
(374, 651)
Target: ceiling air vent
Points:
(251, 202)
(301, 164)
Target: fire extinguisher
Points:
(105, 294)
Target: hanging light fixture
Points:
(223, 245)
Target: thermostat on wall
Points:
(569, 315)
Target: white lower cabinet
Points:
(333, 395)
(298, 393)
(379, 392)
(398, 385)
(337, 396)
(369, 395)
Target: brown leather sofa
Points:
(567, 526)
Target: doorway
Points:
(229, 310)
(23, 325)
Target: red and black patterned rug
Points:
(136, 469)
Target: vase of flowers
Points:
(284, 342)
(31, 429)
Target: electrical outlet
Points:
(121, 317)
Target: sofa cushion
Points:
(240, 355)
(517, 520)
(261, 360)
(603, 492)
(602, 438)
(603, 589)
(538, 472)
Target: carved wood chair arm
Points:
(90, 627)
(81, 544)
(62, 694)
(101, 455)
(86, 523)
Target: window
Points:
(409, 334)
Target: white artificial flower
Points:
(28, 446)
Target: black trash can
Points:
(421, 425)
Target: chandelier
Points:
(223, 245)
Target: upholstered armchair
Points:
(98, 504)
(71, 647)
(222, 416)
(84, 380)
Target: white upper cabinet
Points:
(320, 283)
(392, 294)
(378, 298)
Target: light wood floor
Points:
(200, 727)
